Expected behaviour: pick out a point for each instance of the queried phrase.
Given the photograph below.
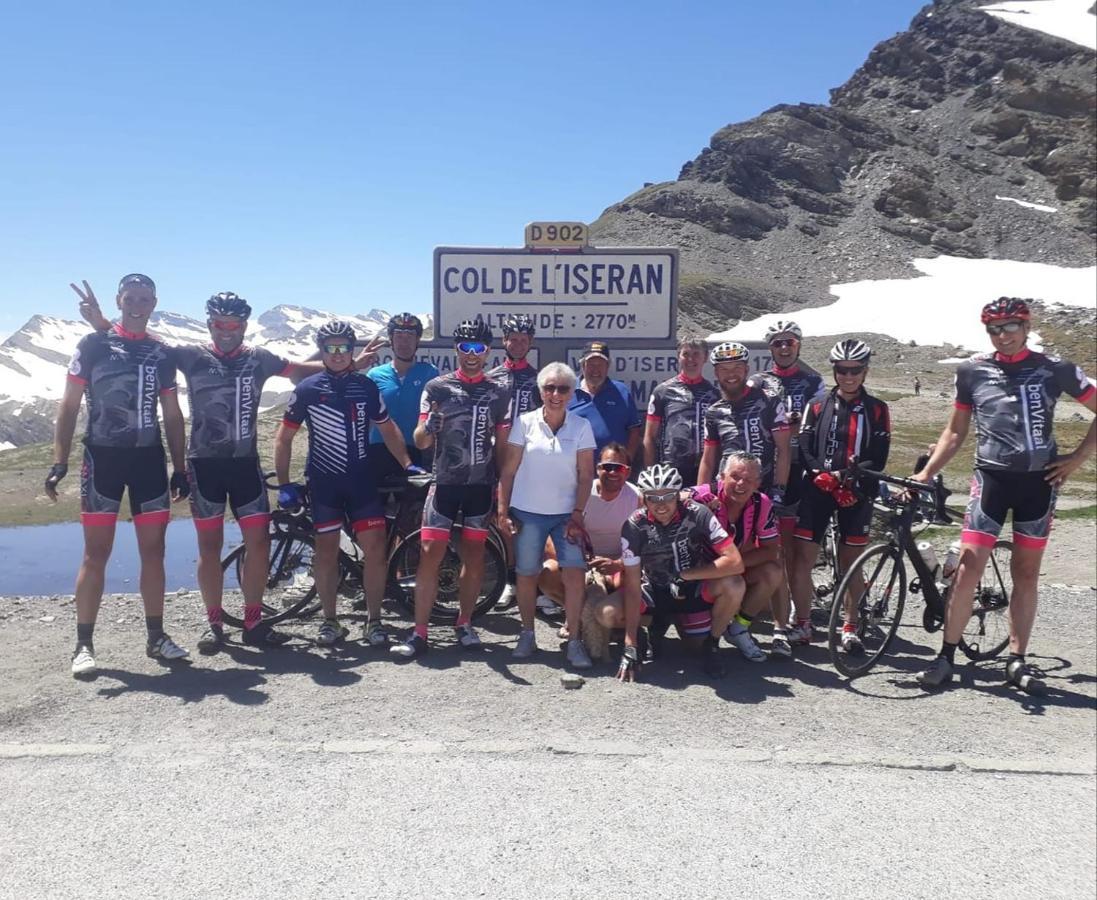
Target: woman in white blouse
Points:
(543, 487)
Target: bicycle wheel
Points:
(289, 591)
(404, 564)
(878, 580)
(824, 576)
(987, 632)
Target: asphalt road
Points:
(342, 774)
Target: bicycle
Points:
(825, 574)
(290, 591)
(876, 584)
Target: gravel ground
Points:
(344, 774)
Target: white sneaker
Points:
(799, 634)
(165, 648)
(508, 598)
(578, 657)
(744, 642)
(83, 662)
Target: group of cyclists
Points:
(704, 516)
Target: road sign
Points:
(596, 292)
(643, 369)
(556, 235)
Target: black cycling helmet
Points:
(228, 304)
(519, 323)
(1006, 308)
(337, 328)
(405, 322)
(473, 330)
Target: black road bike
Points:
(876, 585)
(290, 590)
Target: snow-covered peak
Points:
(1070, 20)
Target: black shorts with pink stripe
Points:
(816, 509)
(108, 472)
(995, 494)
(345, 498)
(445, 502)
(235, 481)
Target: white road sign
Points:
(593, 293)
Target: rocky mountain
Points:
(34, 359)
(971, 134)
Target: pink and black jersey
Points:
(224, 391)
(339, 409)
(678, 407)
(756, 523)
(123, 376)
(694, 537)
(1013, 403)
(472, 411)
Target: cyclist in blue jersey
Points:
(339, 405)
(401, 383)
(127, 377)
(1011, 394)
(606, 403)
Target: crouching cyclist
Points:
(678, 562)
(340, 405)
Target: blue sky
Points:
(315, 153)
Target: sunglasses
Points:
(336, 348)
(1008, 328)
(227, 324)
(473, 347)
(790, 342)
(661, 496)
(856, 370)
(613, 467)
(555, 389)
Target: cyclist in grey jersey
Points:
(1011, 395)
(126, 376)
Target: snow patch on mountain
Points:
(940, 308)
(1039, 207)
(1070, 20)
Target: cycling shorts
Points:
(446, 501)
(816, 509)
(994, 494)
(238, 481)
(789, 508)
(107, 472)
(337, 499)
(690, 611)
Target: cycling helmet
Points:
(850, 350)
(729, 351)
(783, 326)
(1006, 308)
(659, 477)
(473, 330)
(405, 322)
(336, 328)
(519, 323)
(228, 304)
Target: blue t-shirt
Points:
(401, 396)
(611, 412)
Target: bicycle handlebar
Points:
(936, 488)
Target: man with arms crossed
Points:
(1011, 394)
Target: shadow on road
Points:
(189, 683)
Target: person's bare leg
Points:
(973, 560)
(472, 576)
(374, 569)
(256, 563)
(1025, 569)
(804, 554)
(574, 595)
(527, 599)
(325, 570)
(426, 580)
(150, 546)
(98, 543)
(210, 576)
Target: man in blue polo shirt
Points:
(401, 383)
(606, 404)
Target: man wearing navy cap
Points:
(607, 404)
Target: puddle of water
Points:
(43, 559)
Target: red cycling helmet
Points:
(1006, 308)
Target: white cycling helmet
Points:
(659, 477)
(728, 351)
(783, 326)
(850, 350)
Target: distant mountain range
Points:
(971, 134)
(34, 359)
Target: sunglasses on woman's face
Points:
(613, 467)
(556, 389)
(473, 347)
(1007, 327)
(333, 349)
(856, 370)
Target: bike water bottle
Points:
(929, 557)
(952, 560)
